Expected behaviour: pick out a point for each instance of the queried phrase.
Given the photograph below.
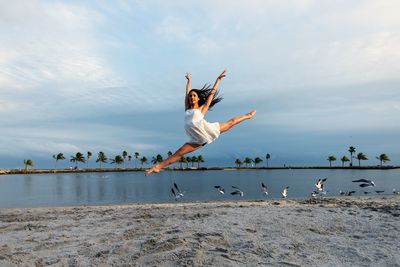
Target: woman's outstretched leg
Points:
(226, 126)
(183, 150)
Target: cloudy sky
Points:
(78, 76)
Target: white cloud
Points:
(61, 61)
(50, 43)
(304, 42)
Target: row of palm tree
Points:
(101, 158)
(121, 159)
(383, 158)
(252, 162)
(183, 160)
(194, 159)
(124, 157)
(248, 161)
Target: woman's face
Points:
(193, 98)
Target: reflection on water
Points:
(133, 187)
(28, 184)
(59, 186)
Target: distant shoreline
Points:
(44, 171)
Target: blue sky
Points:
(109, 76)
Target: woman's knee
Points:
(186, 148)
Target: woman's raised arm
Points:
(206, 105)
(188, 77)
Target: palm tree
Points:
(130, 160)
(268, 156)
(143, 160)
(28, 162)
(330, 159)
(182, 160)
(188, 160)
(101, 158)
(124, 155)
(193, 160)
(352, 150)
(118, 160)
(136, 155)
(157, 159)
(200, 159)
(77, 158)
(88, 156)
(238, 163)
(247, 161)
(257, 160)
(360, 157)
(383, 158)
(59, 156)
(344, 159)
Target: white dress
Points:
(198, 129)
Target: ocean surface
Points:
(71, 189)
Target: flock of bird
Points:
(320, 185)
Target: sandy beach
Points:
(346, 231)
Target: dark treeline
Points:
(138, 161)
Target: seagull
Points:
(367, 185)
(220, 189)
(237, 191)
(178, 194)
(320, 184)
(285, 192)
(395, 192)
(347, 193)
(264, 189)
(365, 182)
(366, 193)
(379, 191)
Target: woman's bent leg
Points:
(226, 126)
(183, 150)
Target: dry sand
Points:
(345, 231)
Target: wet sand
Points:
(347, 231)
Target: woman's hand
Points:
(222, 75)
(188, 76)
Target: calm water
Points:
(34, 190)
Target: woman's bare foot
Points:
(154, 169)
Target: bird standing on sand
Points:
(395, 192)
(220, 189)
(237, 191)
(347, 193)
(178, 194)
(285, 192)
(264, 189)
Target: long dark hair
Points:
(203, 94)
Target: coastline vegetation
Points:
(137, 162)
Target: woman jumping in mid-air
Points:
(200, 132)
